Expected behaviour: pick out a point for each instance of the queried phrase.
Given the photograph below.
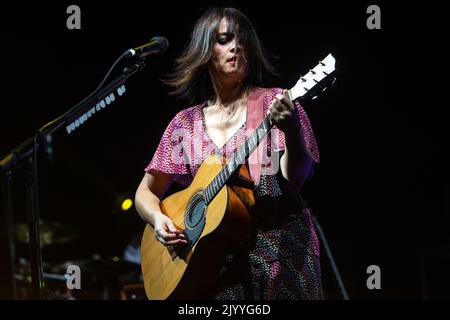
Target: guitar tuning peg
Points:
(322, 63)
(326, 73)
(303, 79)
(312, 71)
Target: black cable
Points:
(108, 73)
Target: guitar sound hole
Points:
(195, 211)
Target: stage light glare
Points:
(126, 204)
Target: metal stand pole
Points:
(330, 257)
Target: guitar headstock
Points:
(316, 80)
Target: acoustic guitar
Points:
(213, 212)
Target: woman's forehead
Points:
(223, 27)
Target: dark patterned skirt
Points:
(280, 261)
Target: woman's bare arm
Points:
(147, 199)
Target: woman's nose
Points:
(234, 47)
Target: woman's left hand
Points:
(284, 115)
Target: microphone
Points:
(157, 45)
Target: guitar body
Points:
(193, 273)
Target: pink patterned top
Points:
(185, 144)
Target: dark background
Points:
(379, 191)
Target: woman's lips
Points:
(232, 60)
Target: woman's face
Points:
(227, 60)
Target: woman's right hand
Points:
(166, 232)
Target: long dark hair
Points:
(190, 78)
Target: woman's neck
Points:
(227, 94)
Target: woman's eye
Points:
(223, 40)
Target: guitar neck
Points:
(239, 157)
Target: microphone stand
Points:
(28, 151)
(330, 257)
(326, 246)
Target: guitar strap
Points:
(255, 115)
